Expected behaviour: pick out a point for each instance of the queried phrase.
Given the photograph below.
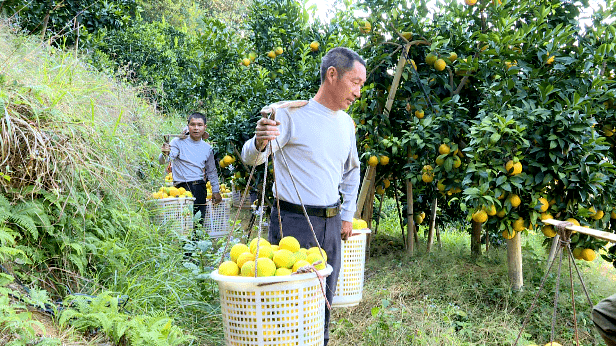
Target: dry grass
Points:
(65, 126)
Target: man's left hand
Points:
(347, 229)
(216, 198)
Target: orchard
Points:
(498, 113)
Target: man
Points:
(604, 317)
(318, 141)
(190, 158)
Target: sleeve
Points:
(211, 172)
(253, 157)
(350, 182)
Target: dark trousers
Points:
(604, 317)
(327, 231)
(199, 192)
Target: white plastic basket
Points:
(273, 311)
(351, 278)
(216, 219)
(174, 213)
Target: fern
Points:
(26, 223)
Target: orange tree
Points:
(274, 57)
(496, 82)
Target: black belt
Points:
(312, 211)
(196, 182)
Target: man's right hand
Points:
(166, 149)
(265, 131)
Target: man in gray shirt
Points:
(318, 141)
(190, 157)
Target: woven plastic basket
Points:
(216, 220)
(273, 311)
(174, 213)
(351, 278)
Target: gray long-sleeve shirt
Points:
(320, 148)
(190, 159)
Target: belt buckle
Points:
(331, 212)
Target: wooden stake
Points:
(410, 223)
(368, 181)
(514, 262)
(553, 249)
(432, 223)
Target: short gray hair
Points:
(342, 59)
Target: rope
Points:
(564, 243)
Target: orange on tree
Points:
(271, 54)
(457, 162)
(548, 231)
(470, 2)
(419, 114)
(373, 161)
(550, 59)
(440, 160)
(514, 200)
(577, 253)
(278, 50)
(588, 255)
(518, 225)
(386, 183)
(314, 46)
(480, 216)
(545, 216)
(440, 65)
(508, 234)
(246, 61)
(427, 177)
(453, 56)
(379, 190)
(407, 35)
(543, 204)
(384, 160)
(490, 210)
(444, 149)
(513, 168)
(613, 214)
(501, 213)
(431, 59)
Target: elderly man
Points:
(318, 141)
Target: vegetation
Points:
(498, 119)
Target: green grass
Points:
(446, 298)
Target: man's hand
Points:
(265, 131)
(216, 197)
(166, 149)
(347, 229)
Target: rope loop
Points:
(563, 232)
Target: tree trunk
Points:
(367, 215)
(438, 237)
(45, 22)
(399, 212)
(487, 240)
(378, 215)
(476, 239)
(514, 262)
(432, 223)
(410, 223)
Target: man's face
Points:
(196, 128)
(347, 88)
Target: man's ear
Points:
(331, 74)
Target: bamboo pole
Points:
(432, 223)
